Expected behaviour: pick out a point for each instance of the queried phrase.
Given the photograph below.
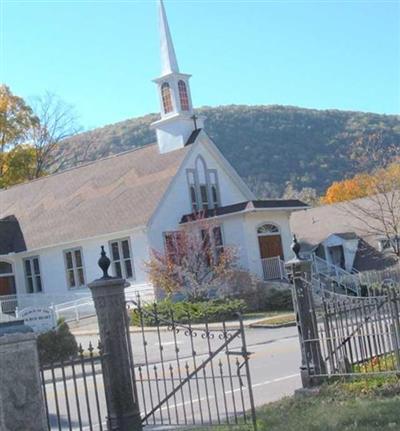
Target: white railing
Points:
(6, 318)
(274, 268)
(72, 307)
(145, 291)
(350, 282)
(380, 277)
(74, 310)
(8, 303)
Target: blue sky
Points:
(101, 55)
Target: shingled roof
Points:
(110, 195)
(11, 237)
(275, 204)
(314, 225)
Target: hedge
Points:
(215, 310)
(57, 345)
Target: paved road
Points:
(274, 367)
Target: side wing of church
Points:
(51, 229)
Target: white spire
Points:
(169, 63)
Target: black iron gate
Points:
(190, 374)
(184, 374)
(73, 392)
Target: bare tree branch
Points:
(57, 122)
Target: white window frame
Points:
(385, 244)
(7, 274)
(74, 268)
(274, 225)
(211, 237)
(121, 259)
(33, 275)
(193, 180)
(175, 234)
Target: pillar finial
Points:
(296, 247)
(104, 263)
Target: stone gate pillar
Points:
(21, 401)
(312, 362)
(119, 380)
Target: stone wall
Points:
(21, 402)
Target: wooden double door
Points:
(7, 285)
(270, 246)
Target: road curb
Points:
(263, 325)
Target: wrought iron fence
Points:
(189, 374)
(184, 374)
(385, 276)
(73, 392)
(354, 335)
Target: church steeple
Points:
(176, 123)
(169, 64)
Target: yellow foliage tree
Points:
(363, 185)
(18, 165)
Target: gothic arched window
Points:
(166, 97)
(183, 96)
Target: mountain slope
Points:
(269, 145)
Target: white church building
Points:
(51, 229)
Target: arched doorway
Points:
(7, 279)
(271, 251)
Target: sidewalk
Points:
(89, 326)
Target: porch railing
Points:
(72, 307)
(274, 268)
(349, 282)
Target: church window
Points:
(213, 244)
(173, 246)
(74, 268)
(193, 197)
(214, 188)
(203, 186)
(201, 170)
(218, 243)
(268, 229)
(183, 96)
(7, 280)
(121, 259)
(166, 97)
(33, 277)
(214, 195)
(204, 196)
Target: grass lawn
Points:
(278, 319)
(378, 363)
(265, 315)
(362, 405)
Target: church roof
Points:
(271, 204)
(315, 225)
(114, 194)
(11, 238)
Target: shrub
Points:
(258, 295)
(57, 345)
(277, 300)
(215, 310)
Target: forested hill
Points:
(269, 145)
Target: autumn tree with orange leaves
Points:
(363, 185)
(379, 211)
